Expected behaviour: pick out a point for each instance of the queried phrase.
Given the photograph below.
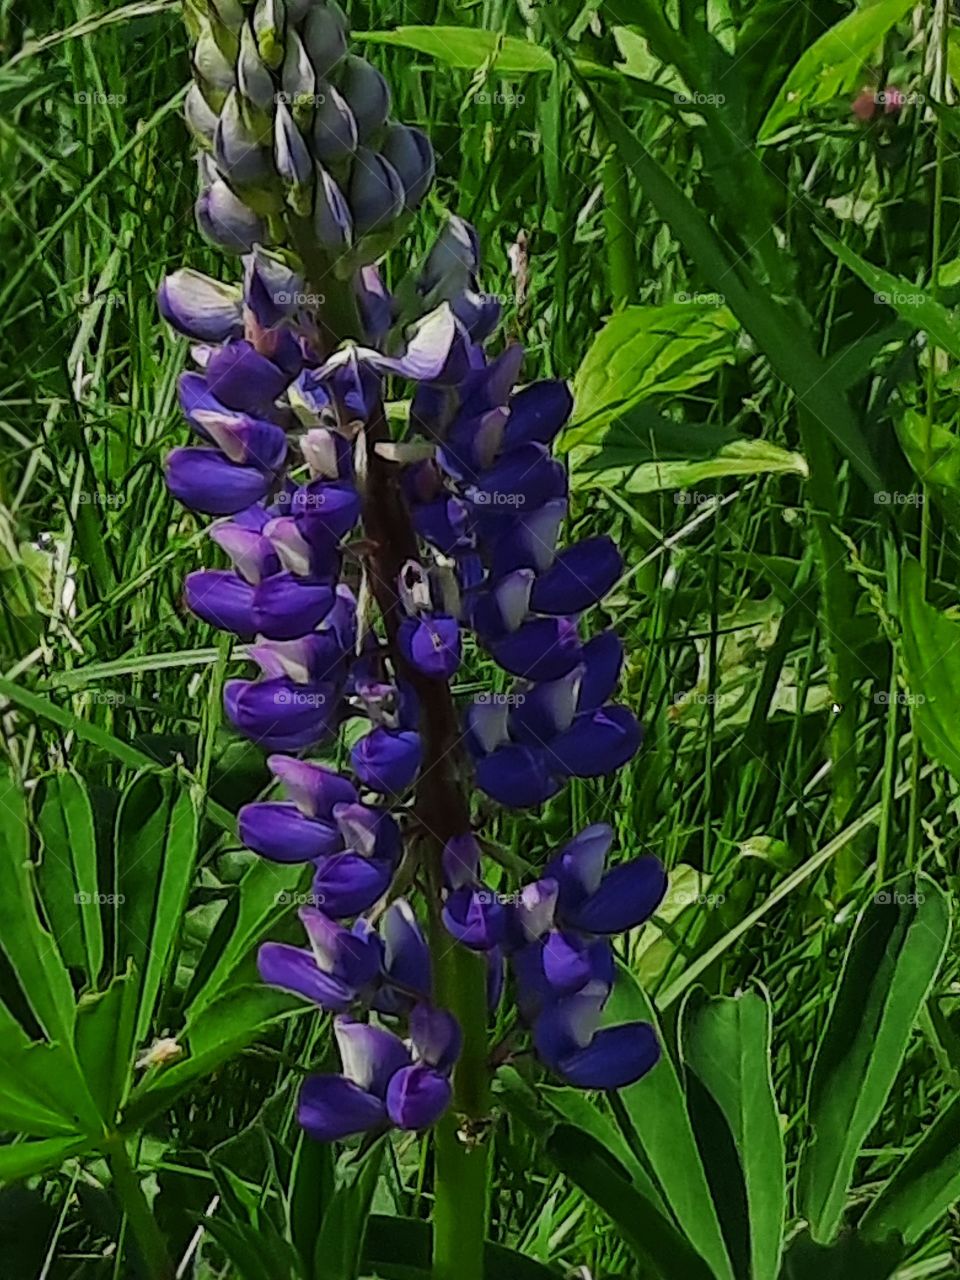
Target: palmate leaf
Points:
(923, 1187)
(67, 875)
(657, 1111)
(725, 1045)
(834, 63)
(893, 958)
(931, 658)
(156, 845)
(651, 1236)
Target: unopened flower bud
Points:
(223, 218)
(201, 119)
(298, 80)
(332, 221)
(253, 79)
(367, 94)
(325, 37)
(241, 158)
(376, 194)
(268, 26)
(294, 163)
(334, 128)
(410, 153)
(213, 69)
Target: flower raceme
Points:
(290, 453)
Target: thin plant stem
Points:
(143, 1224)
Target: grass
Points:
(734, 622)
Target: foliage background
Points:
(753, 587)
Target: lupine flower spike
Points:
(459, 543)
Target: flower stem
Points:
(143, 1224)
(462, 1150)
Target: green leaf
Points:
(931, 658)
(67, 875)
(156, 846)
(893, 958)
(267, 893)
(850, 1257)
(725, 1043)
(784, 340)
(28, 946)
(254, 1253)
(340, 1242)
(912, 302)
(35, 1097)
(657, 1109)
(105, 1043)
(923, 1186)
(651, 1236)
(466, 47)
(741, 458)
(643, 352)
(934, 454)
(311, 1188)
(23, 1159)
(833, 65)
(216, 1032)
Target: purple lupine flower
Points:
(383, 1084)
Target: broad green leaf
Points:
(897, 946)
(833, 66)
(912, 302)
(466, 47)
(35, 1094)
(312, 1182)
(785, 340)
(28, 946)
(67, 875)
(579, 1111)
(156, 845)
(931, 658)
(216, 1033)
(651, 1236)
(741, 458)
(400, 1249)
(934, 455)
(267, 893)
(105, 1043)
(23, 1159)
(923, 1187)
(340, 1242)
(657, 1110)
(725, 1043)
(851, 1258)
(643, 352)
